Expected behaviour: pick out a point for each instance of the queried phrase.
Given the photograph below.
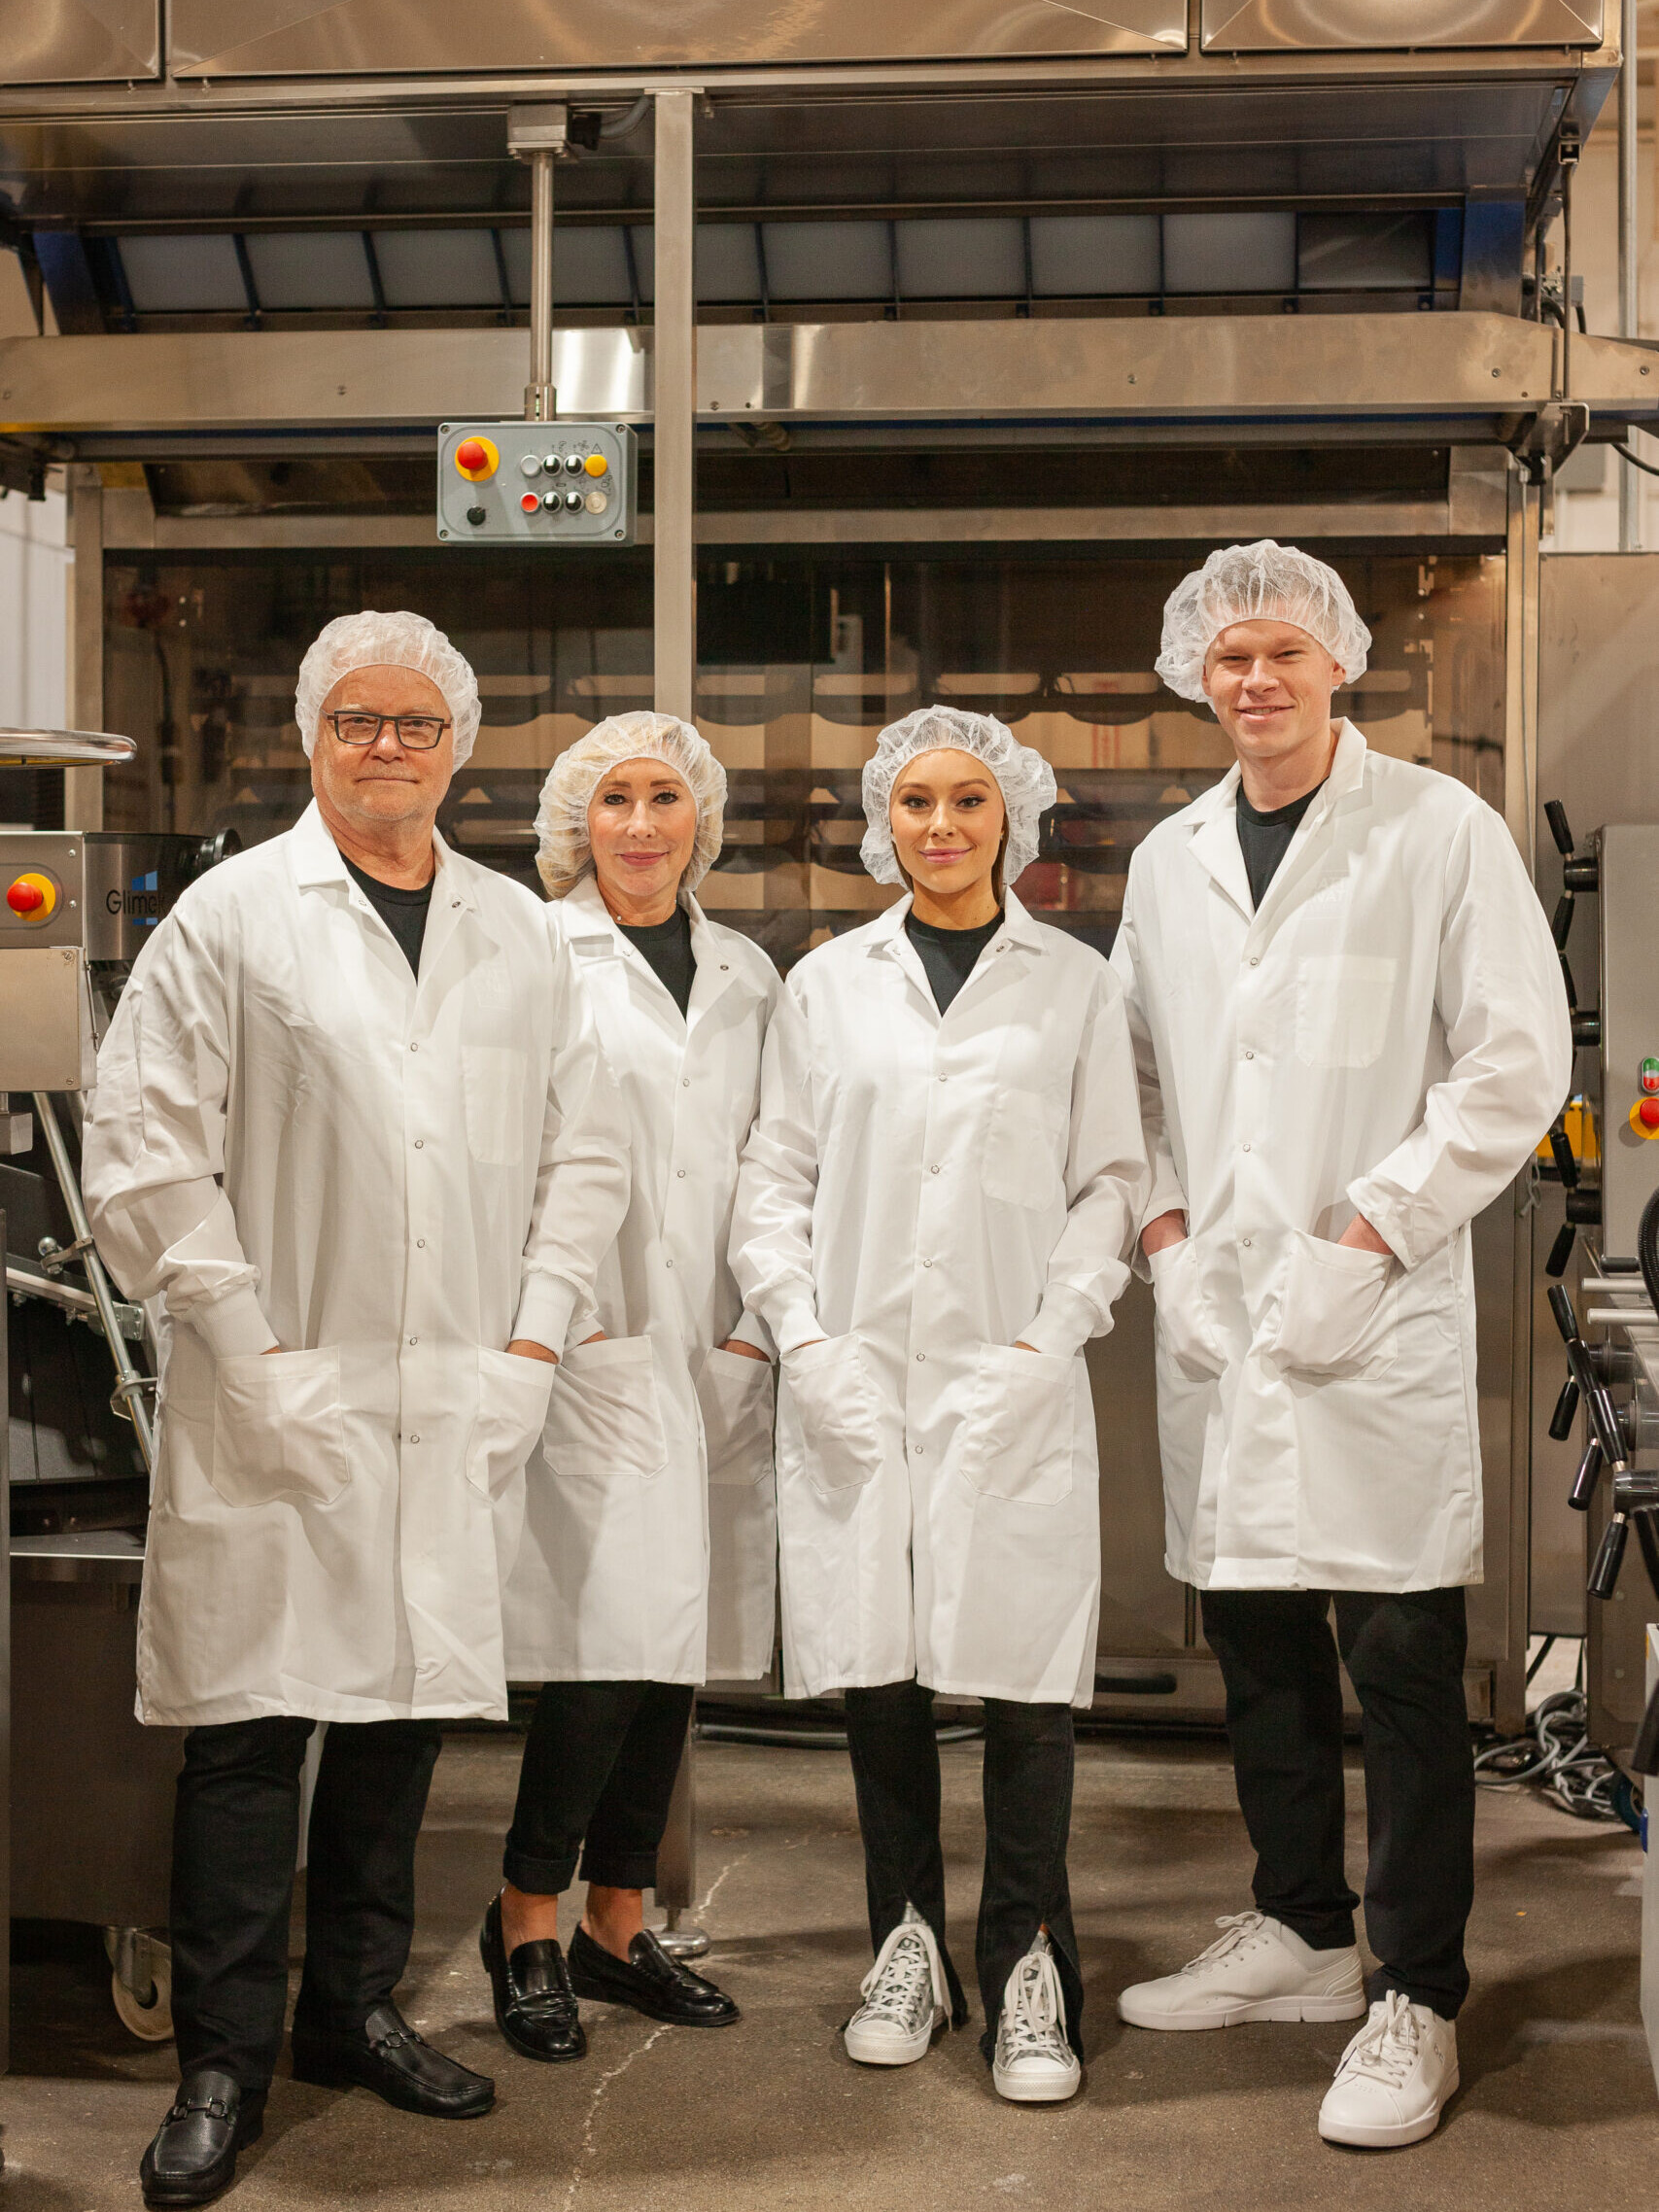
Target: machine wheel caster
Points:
(680, 1940)
(141, 1983)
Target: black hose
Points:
(1647, 1248)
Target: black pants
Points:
(600, 1766)
(1029, 1757)
(236, 1840)
(1404, 1656)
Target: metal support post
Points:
(1629, 318)
(1521, 661)
(674, 406)
(538, 135)
(129, 1400)
(84, 787)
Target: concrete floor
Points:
(1558, 2106)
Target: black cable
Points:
(1624, 453)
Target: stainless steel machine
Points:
(948, 342)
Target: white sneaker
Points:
(1395, 2078)
(905, 1998)
(1034, 2064)
(1257, 1969)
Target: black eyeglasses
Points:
(418, 732)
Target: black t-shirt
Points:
(1265, 839)
(667, 944)
(949, 955)
(405, 913)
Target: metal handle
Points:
(1566, 1412)
(1586, 1480)
(1604, 1573)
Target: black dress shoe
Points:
(193, 2155)
(389, 2059)
(536, 2007)
(648, 1980)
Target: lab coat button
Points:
(1250, 1055)
(414, 1340)
(922, 1355)
(1247, 1242)
(414, 1048)
(414, 1439)
(1247, 1144)
(685, 1082)
(419, 1244)
(679, 1174)
(933, 1171)
(420, 1144)
(944, 1079)
(668, 1262)
(927, 1262)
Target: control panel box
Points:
(43, 890)
(559, 483)
(1628, 855)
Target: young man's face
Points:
(1270, 685)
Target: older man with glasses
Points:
(354, 1131)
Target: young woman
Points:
(932, 1220)
(650, 1530)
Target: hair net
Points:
(1241, 583)
(1023, 776)
(372, 640)
(564, 854)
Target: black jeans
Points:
(1029, 1757)
(236, 1840)
(598, 1764)
(1404, 1656)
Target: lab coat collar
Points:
(594, 927)
(1214, 817)
(318, 859)
(889, 939)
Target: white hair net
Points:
(374, 641)
(1245, 583)
(1023, 776)
(564, 854)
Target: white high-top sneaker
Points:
(1256, 1969)
(1395, 2078)
(1034, 2064)
(905, 1998)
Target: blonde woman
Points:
(650, 1533)
(934, 1215)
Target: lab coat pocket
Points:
(1335, 1309)
(605, 1419)
(1185, 1320)
(735, 1395)
(835, 1405)
(512, 1410)
(493, 1079)
(1016, 1438)
(1343, 1004)
(279, 1426)
(1021, 1163)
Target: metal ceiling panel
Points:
(1362, 26)
(404, 38)
(80, 42)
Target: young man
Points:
(1351, 1033)
(353, 1130)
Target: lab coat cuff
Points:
(1386, 1217)
(751, 1329)
(232, 1324)
(546, 1308)
(1065, 1321)
(1168, 1197)
(795, 1322)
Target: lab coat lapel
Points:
(713, 975)
(890, 940)
(1018, 933)
(453, 903)
(1215, 845)
(1343, 790)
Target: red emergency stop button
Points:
(529, 502)
(476, 458)
(1647, 1113)
(31, 897)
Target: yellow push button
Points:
(596, 464)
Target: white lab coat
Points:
(922, 1192)
(650, 1539)
(1387, 1036)
(290, 1143)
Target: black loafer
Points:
(193, 2155)
(389, 2059)
(535, 2005)
(648, 1980)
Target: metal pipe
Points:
(540, 402)
(1630, 316)
(130, 1385)
(674, 406)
